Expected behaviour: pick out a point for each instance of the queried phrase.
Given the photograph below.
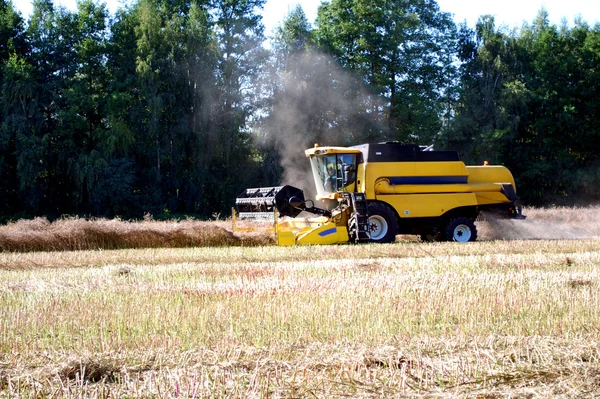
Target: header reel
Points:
(261, 203)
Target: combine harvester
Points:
(372, 192)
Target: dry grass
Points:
(494, 367)
(81, 234)
(493, 319)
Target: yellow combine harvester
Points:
(372, 192)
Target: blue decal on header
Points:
(328, 232)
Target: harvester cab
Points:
(333, 172)
(372, 192)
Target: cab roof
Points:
(330, 150)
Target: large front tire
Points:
(383, 225)
(461, 229)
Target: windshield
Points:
(334, 173)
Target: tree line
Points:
(175, 106)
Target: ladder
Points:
(358, 224)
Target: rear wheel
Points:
(461, 229)
(383, 225)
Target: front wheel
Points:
(461, 229)
(383, 225)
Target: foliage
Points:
(528, 100)
(179, 105)
(403, 50)
(138, 113)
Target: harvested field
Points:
(490, 319)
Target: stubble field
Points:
(493, 319)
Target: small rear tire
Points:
(383, 225)
(461, 229)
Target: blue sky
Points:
(511, 13)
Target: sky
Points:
(511, 13)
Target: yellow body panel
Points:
(489, 173)
(372, 172)
(311, 231)
(361, 182)
(484, 181)
(427, 205)
(490, 198)
(326, 234)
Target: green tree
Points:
(559, 137)
(199, 67)
(83, 118)
(17, 95)
(404, 51)
(491, 62)
(294, 36)
(241, 57)
(22, 150)
(163, 106)
(163, 121)
(12, 31)
(53, 39)
(526, 101)
(123, 188)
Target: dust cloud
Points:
(315, 102)
(544, 224)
